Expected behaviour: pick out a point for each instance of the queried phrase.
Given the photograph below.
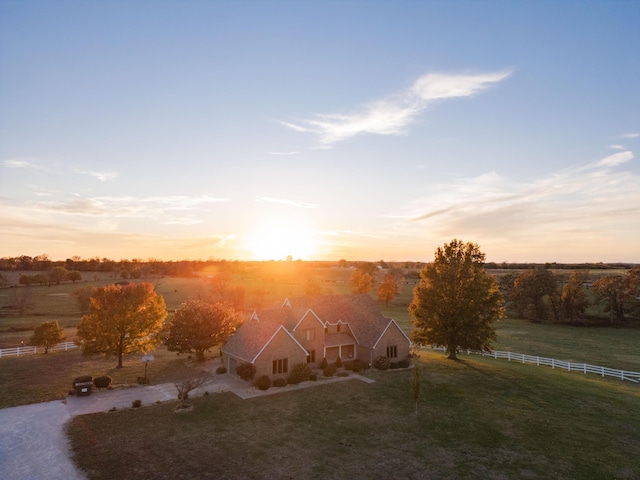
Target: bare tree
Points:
(189, 383)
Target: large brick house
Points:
(308, 329)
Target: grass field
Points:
(41, 378)
(477, 419)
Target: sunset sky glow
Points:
(321, 130)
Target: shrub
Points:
(81, 379)
(313, 377)
(299, 373)
(136, 404)
(324, 363)
(280, 382)
(349, 365)
(221, 370)
(263, 382)
(382, 363)
(406, 363)
(246, 371)
(102, 382)
(359, 365)
(330, 370)
(342, 374)
(338, 362)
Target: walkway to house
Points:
(32, 439)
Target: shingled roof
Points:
(360, 312)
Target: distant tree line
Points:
(540, 295)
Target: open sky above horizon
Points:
(322, 130)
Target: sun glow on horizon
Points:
(279, 240)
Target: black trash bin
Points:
(83, 388)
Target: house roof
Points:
(360, 312)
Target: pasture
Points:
(479, 418)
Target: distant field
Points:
(479, 418)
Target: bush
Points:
(338, 362)
(82, 379)
(136, 404)
(299, 373)
(221, 370)
(330, 370)
(102, 382)
(343, 374)
(246, 371)
(382, 363)
(324, 363)
(313, 377)
(280, 382)
(349, 365)
(263, 382)
(406, 363)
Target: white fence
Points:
(553, 363)
(17, 351)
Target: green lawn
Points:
(477, 419)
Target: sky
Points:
(374, 130)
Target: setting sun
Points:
(278, 240)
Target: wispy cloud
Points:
(590, 198)
(155, 207)
(285, 201)
(100, 175)
(17, 164)
(393, 115)
(293, 152)
(631, 135)
(617, 147)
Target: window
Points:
(311, 358)
(280, 366)
(310, 334)
(392, 351)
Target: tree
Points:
(612, 290)
(58, 275)
(360, 282)
(574, 296)
(388, 289)
(122, 319)
(74, 276)
(83, 298)
(532, 294)
(198, 326)
(46, 335)
(456, 302)
(189, 383)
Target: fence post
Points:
(568, 366)
(537, 361)
(553, 363)
(509, 355)
(602, 371)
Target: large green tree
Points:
(197, 327)
(535, 294)
(122, 319)
(456, 302)
(46, 335)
